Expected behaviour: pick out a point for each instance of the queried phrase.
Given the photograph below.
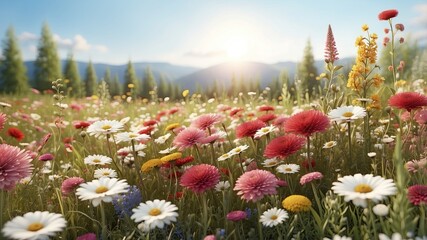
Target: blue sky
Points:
(202, 33)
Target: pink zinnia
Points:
(309, 177)
(14, 166)
(417, 194)
(87, 236)
(255, 184)
(206, 121)
(188, 138)
(248, 129)
(307, 123)
(387, 14)
(408, 100)
(284, 146)
(3, 119)
(200, 178)
(69, 184)
(236, 215)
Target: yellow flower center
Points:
(271, 163)
(363, 188)
(288, 169)
(265, 130)
(347, 114)
(34, 227)
(105, 173)
(101, 189)
(96, 160)
(329, 144)
(154, 212)
(132, 135)
(274, 217)
(106, 127)
(238, 150)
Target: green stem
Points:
(205, 221)
(392, 53)
(3, 199)
(316, 197)
(103, 222)
(260, 234)
(111, 155)
(137, 164)
(349, 144)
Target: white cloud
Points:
(101, 48)
(205, 54)
(62, 42)
(80, 43)
(27, 36)
(420, 21)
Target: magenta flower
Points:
(284, 146)
(417, 194)
(331, 52)
(14, 166)
(255, 184)
(309, 177)
(200, 178)
(236, 216)
(46, 157)
(188, 138)
(68, 185)
(307, 122)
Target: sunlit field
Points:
(345, 159)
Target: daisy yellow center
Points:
(348, 114)
(264, 130)
(274, 217)
(272, 163)
(363, 188)
(238, 150)
(330, 144)
(132, 135)
(34, 227)
(101, 189)
(106, 127)
(105, 173)
(288, 169)
(96, 160)
(154, 212)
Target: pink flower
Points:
(206, 121)
(200, 178)
(255, 184)
(387, 14)
(408, 100)
(421, 117)
(46, 157)
(87, 236)
(400, 27)
(236, 216)
(307, 178)
(248, 129)
(3, 119)
(417, 194)
(209, 237)
(68, 185)
(188, 138)
(265, 108)
(307, 122)
(331, 52)
(284, 146)
(14, 166)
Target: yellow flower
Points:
(171, 157)
(171, 126)
(365, 27)
(150, 164)
(297, 203)
(94, 97)
(400, 83)
(131, 85)
(185, 93)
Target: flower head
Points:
(347, 113)
(87, 236)
(69, 184)
(249, 129)
(206, 121)
(105, 172)
(309, 177)
(297, 203)
(97, 160)
(288, 168)
(273, 217)
(104, 127)
(14, 166)
(255, 184)
(200, 178)
(387, 14)
(417, 194)
(331, 52)
(236, 216)
(124, 203)
(307, 122)
(3, 119)
(284, 146)
(359, 188)
(103, 189)
(408, 100)
(150, 164)
(155, 214)
(188, 138)
(15, 133)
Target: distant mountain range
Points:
(192, 77)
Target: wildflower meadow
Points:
(348, 162)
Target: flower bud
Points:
(400, 27)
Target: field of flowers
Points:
(349, 164)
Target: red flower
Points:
(15, 133)
(387, 14)
(265, 108)
(284, 146)
(417, 194)
(81, 124)
(183, 161)
(267, 117)
(408, 100)
(234, 111)
(150, 123)
(248, 129)
(146, 130)
(173, 110)
(200, 178)
(307, 123)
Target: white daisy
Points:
(330, 144)
(97, 160)
(288, 168)
(124, 151)
(105, 172)
(162, 139)
(238, 149)
(131, 136)
(273, 217)
(104, 127)
(338, 237)
(222, 186)
(224, 156)
(372, 154)
(347, 113)
(264, 131)
(155, 214)
(34, 225)
(359, 188)
(167, 150)
(271, 162)
(380, 210)
(103, 189)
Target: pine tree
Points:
(131, 81)
(163, 89)
(47, 64)
(307, 71)
(115, 89)
(108, 80)
(72, 76)
(148, 83)
(90, 80)
(13, 78)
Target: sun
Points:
(236, 47)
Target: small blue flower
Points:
(124, 203)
